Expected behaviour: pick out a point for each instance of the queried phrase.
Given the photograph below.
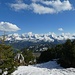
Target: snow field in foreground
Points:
(49, 68)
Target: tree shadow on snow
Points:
(49, 65)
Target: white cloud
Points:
(60, 29)
(40, 9)
(58, 5)
(19, 5)
(9, 27)
(37, 6)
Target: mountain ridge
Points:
(49, 37)
(30, 39)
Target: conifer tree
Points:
(6, 55)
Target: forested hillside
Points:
(64, 53)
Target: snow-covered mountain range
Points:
(49, 37)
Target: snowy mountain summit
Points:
(49, 37)
(49, 68)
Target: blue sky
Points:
(38, 16)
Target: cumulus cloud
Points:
(60, 29)
(38, 8)
(58, 5)
(19, 5)
(8, 27)
(43, 6)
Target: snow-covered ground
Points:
(49, 68)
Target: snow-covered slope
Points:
(50, 37)
(49, 68)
